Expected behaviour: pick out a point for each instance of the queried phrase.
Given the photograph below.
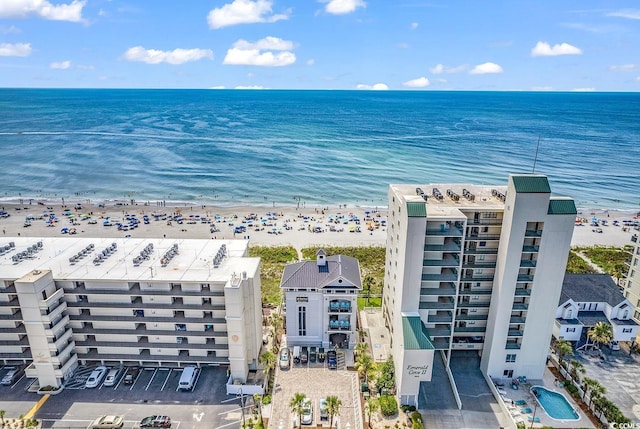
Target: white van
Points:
(188, 378)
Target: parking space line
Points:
(167, 378)
(136, 380)
(123, 371)
(19, 380)
(178, 386)
(195, 383)
(155, 371)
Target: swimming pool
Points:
(554, 404)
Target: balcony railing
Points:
(441, 305)
(448, 246)
(475, 291)
(522, 292)
(445, 262)
(483, 237)
(515, 333)
(47, 303)
(520, 306)
(533, 233)
(527, 263)
(474, 329)
(440, 317)
(339, 325)
(340, 307)
(472, 316)
(517, 319)
(446, 276)
(481, 251)
(530, 249)
(476, 278)
(512, 346)
(525, 278)
(448, 290)
(476, 304)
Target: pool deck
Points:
(523, 393)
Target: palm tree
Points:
(268, 359)
(366, 285)
(596, 389)
(601, 333)
(564, 349)
(361, 348)
(2, 416)
(370, 407)
(577, 368)
(257, 399)
(297, 406)
(333, 408)
(364, 365)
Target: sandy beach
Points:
(263, 226)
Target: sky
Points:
(539, 45)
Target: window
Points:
(511, 358)
(302, 321)
(571, 329)
(482, 244)
(626, 330)
(508, 373)
(485, 229)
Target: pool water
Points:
(554, 404)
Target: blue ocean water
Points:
(318, 147)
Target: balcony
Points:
(448, 246)
(137, 303)
(515, 333)
(443, 331)
(520, 306)
(440, 343)
(146, 356)
(470, 329)
(12, 303)
(144, 331)
(472, 316)
(440, 317)
(14, 316)
(24, 341)
(86, 317)
(524, 278)
(446, 230)
(47, 303)
(441, 304)
(483, 237)
(144, 342)
(522, 292)
(445, 289)
(445, 262)
(56, 343)
(476, 279)
(481, 251)
(512, 346)
(64, 321)
(477, 304)
(135, 290)
(339, 325)
(530, 249)
(52, 315)
(447, 275)
(475, 291)
(527, 263)
(491, 264)
(533, 233)
(340, 307)
(517, 319)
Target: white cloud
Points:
(626, 13)
(486, 68)
(625, 67)
(342, 7)
(542, 88)
(218, 87)
(62, 65)
(414, 25)
(15, 49)
(311, 62)
(243, 12)
(543, 49)
(177, 56)
(583, 89)
(85, 67)
(249, 87)
(421, 82)
(638, 79)
(9, 30)
(42, 8)
(374, 87)
(260, 53)
(440, 68)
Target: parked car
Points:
(96, 376)
(307, 412)
(108, 422)
(598, 230)
(14, 374)
(323, 409)
(321, 355)
(156, 422)
(614, 346)
(332, 360)
(313, 355)
(112, 377)
(285, 358)
(304, 355)
(131, 374)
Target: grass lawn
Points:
(577, 265)
(273, 260)
(610, 259)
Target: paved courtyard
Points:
(315, 381)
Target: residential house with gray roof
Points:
(321, 301)
(587, 299)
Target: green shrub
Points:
(388, 405)
(416, 420)
(266, 399)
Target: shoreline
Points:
(305, 226)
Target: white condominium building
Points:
(632, 285)
(474, 268)
(159, 302)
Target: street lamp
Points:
(535, 408)
(242, 406)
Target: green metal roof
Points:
(415, 334)
(531, 184)
(564, 206)
(416, 210)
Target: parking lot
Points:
(316, 381)
(153, 392)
